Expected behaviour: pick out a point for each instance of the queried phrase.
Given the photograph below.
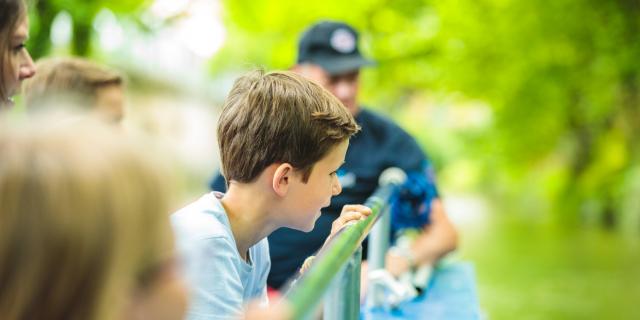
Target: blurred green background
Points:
(530, 111)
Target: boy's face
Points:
(306, 199)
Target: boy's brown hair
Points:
(69, 78)
(279, 117)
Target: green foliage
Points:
(43, 13)
(561, 79)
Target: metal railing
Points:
(335, 272)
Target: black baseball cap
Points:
(333, 46)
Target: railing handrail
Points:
(308, 290)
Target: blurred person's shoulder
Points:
(379, 125)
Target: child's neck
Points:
(247, 209)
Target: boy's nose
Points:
(337, 188)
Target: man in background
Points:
(328, 53)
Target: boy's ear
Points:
(282, 178)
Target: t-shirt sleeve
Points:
(411, 209)
(216, 287)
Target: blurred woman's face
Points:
(21, 65)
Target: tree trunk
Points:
(41, 43)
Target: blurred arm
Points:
(436, 239)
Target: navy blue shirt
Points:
(379, 145)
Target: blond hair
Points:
(279, 117)
(82, 218)
(74, 79)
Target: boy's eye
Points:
(333, 173)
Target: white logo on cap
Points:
(343, 41)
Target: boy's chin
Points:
(308, 227)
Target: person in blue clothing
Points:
(328, 54)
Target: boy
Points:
(79, 82)
(282, 139)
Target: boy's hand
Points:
(350, 212)
(307, 264)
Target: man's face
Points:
(344, 86)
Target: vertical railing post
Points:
(341, 258)
(378, 246)
(342, 300)
(379, 241)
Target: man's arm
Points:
(435, 240)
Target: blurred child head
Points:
(84, 229)
(15, 62)
(76, 81)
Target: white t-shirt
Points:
(221, 281)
